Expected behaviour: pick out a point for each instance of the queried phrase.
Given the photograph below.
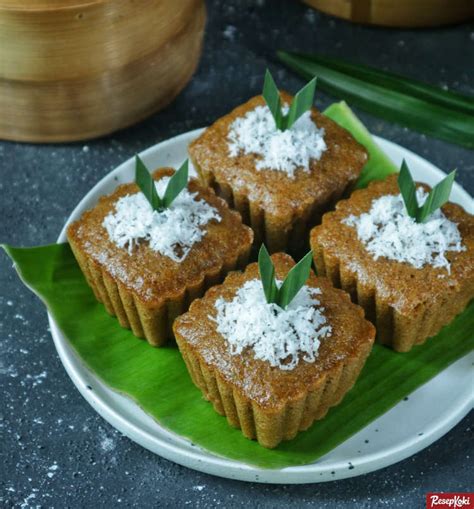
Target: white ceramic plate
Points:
(429, 413)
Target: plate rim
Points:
(206, 461)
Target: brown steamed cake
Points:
(280, 209)
(147, 290)
(406, 304)
(265, 402)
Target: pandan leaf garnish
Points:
(437, 197)
(146, 184)
(292, 284)
(301, 103)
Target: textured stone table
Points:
(55, 451)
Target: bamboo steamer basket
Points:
(398, 13)
(72, 70)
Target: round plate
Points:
(429, 413)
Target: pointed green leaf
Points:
(302, 102)
(176, 184)
(267, 275)
(408, 190)
(271, 94)
(146, 184)
(438, 196)
(295, 279)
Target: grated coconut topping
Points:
(276, 335)
(388, 231)
(256, 133)
(172, 232)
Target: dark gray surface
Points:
(43, 419)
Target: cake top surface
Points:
(282, 337)
(256, 378)
(256, 133)
(276, 191)
(149, 274)
(422, 253)
(172, 231)
(388, 231)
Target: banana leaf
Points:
(158, 381)
(445, 115)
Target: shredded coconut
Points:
(172, 232)
(256, 133)
(276, 335)
(388, 231)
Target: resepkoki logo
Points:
(450, 500)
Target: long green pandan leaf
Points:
(397, 82)
(422, 114)
(157, 379)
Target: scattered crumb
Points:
(310, 15)
(36, 379)
(107, 443)
(229, 32)
(26, 502)
(52, 470)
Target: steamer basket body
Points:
(398, 13)
(73, 70)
